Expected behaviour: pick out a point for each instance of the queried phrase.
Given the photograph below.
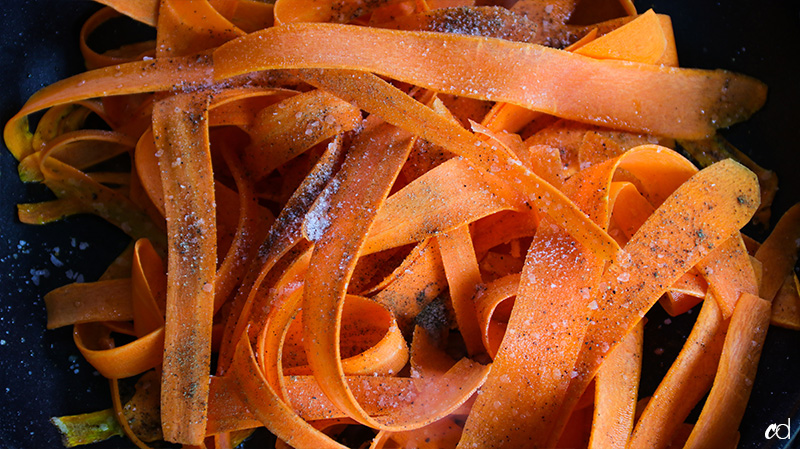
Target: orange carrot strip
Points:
(502, 227)
(723, 410)
(677, 303)
(560, 75)
(284, 130)
(512, 118)
(187, 182)
(118, 362)
(687, 381)
(124, 54)
(265, 405)
(566, 267)
(630, 208)
(371, 93)
(464, 279)
(337, 11)
(251, 15)
(616, 388)
(94, 301)
(148, 289)
(312, 404)
(596, 148)
(372, 343)
(729, 273)
(442, 434)
(731, 190)
(716, 148)
(447, 196)
(657, 171)
(414, 284)
(578, 430)
(185, 28)
(486, 302)
(786, 305)
(145, 11)
(778, 254)
(640, 40)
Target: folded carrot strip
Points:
(442, 434)
(677, 303)
(371, 345)
(687, 381)
(502, 228)
(778, 254)
(464, 280)
(389, 53)
(731, 190)
(187, 182)
(684, 294)
(640, 40)
(126, 53)
(145, 11)
(118, 362)
(94, 301)
(486, 302)
(79, 149)
(629, 208)
(733, 382)
(616, 388)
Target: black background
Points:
(42, 373)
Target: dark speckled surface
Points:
(43, 375)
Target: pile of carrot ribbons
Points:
(440, 221)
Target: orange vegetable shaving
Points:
(416, 217)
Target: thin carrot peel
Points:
(395, 228)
